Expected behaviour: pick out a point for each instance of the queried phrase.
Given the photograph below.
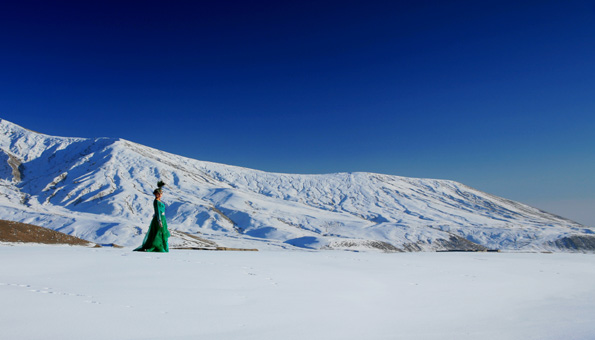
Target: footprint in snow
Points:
(51, 291)
(92, 302)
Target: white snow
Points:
(61, 292)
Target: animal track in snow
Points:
(251, 272)
(51, 291)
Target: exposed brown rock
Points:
(16, 232)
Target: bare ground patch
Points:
(16, 232)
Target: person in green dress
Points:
(156, 238)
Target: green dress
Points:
(156, 238)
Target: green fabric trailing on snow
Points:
(156, 238)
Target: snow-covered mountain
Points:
(101, 190)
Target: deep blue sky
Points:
(499, 95)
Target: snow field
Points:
(60, 292)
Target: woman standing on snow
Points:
(156, 238)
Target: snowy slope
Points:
(100, 190)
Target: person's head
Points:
(158, 193)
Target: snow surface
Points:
(100, 190)
(61, 292)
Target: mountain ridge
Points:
(100, 189)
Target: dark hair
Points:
(160, 184)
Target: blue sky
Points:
(498, 95)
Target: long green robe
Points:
(156, 238)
